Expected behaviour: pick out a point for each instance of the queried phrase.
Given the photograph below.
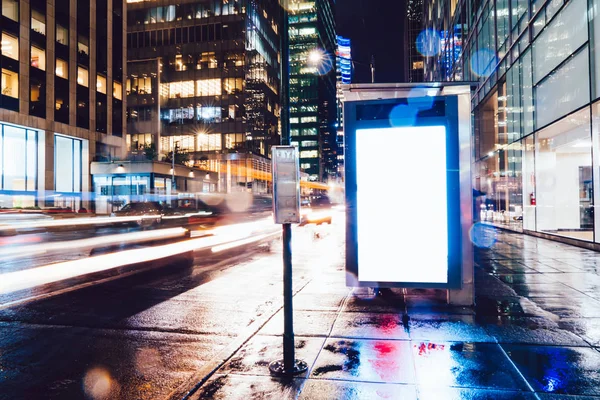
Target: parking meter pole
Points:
(289, 357)
(289, 365)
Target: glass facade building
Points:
(64, 107)
(204, 78)
(313, 87)
(536, 108)
(414, 15)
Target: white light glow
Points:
(401, 204)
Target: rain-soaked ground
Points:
(211, 332)
(534, 334)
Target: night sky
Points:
(375, 27)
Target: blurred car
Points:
(318, 212)
(151, 213)
(190, 213)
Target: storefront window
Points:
(528, 175)
(563, 165)
(67, 164)
(596, 170)
(20, 163)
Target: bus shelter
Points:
(408, 187)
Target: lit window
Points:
(83, 46)
(232, 85)
(62, 68)
(10, 83)
(305, 166)
(309, 143)
(10, 9)
(83, 76)
(181, 89)
(117, 90)
(293, 120)
(206, 142)
(101, 84)
(38, 22)
(309, 154)
(62, 35)
(10, 46)
(208, 87)
(308, 119)
(38, 58)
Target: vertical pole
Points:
(288, 319)
(372, 69)
(173, 166)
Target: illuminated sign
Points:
(404, 226)
(286, 184)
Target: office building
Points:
(204, 80)
(344, 77)
(61, 104)
(313, 87)
(414, 13)
(536, 111)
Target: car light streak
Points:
(243, 242)
(124, 238)
(75, 222)
(30, 278)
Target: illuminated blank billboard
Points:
(403, 199)
(401, 204)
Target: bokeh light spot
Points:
(320, 60)
(97, 383)
(483, 62)
(429, 43)
(482, 235)
(403, 115)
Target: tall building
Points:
(536, 111)
(414, 13)
(61, 105)
(313, 87)
(204, 79)
(344, 77)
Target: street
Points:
(144, 335)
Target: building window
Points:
(181, 89)
(10, 9)
(233, 85)
(233, 141)
(62, 35)
(83, 76)
(142, 85)
(67, 164)
(38, 58)
(117, 90)
(208, 87)
(10, 46)
(308, 119)
(101, 84)
(208, 142)
(20, 163)
(38, 22)
(83, 46)
(309, 131)
(309, 143)
(10, 83)
(309, 154)
(62, 68)
(208, 114)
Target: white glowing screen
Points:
(402, 204)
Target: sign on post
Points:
(286, 185)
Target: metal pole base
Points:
(277, 368)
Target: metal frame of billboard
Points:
(451, 109)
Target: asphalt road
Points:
(146, 335)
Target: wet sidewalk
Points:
(534, 334)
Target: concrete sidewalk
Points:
(535, 333)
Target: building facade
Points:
(536, 139)
(313, 87)
(61, 105)
(344, 72)
(204, 80)
(414, 14)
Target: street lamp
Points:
(315, 56)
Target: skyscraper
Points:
(414, 13)
(313, 87)
(344, 77)
(61, 105)
(204, 79)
